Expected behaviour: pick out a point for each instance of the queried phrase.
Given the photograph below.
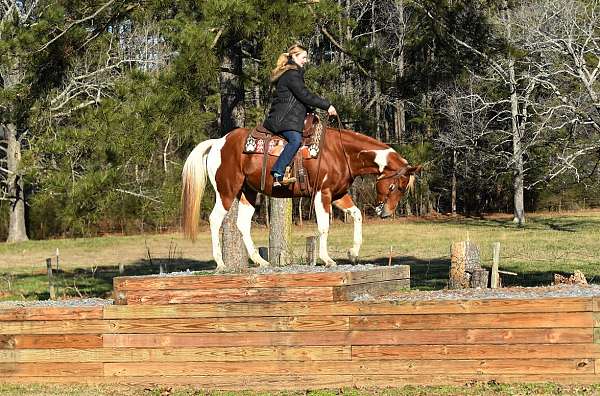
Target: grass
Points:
(548, 244)
(479, 389)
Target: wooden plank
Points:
(384, 337)
(296, 382)
(473, 321)
(58, 341)
(50, 369)
(158, 297)
(313, 338)
(234, 281)
(287, 323)
(7, 342)
(375, 380)
(481, 351)
(222, 354)
(373, 289)
(596, 319)
(50, 313)
(596, 304)
(475, 366)
(472, 336)
(260, 382)
(597, 335)
(92, 326)
(223, 309)
(379, 274)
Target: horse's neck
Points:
(362, 152)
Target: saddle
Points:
(262, 141)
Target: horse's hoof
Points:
(330, 263)
(220, 269)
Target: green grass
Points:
(479, 389)
(548, 244)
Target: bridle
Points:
(392, 187)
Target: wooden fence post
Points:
(50, 279)
(495, 281)
(311, 250)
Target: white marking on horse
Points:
(219, 212)
(244, 222)
(381, 157)
(323, 227)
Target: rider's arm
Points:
(298, 88)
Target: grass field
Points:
(550, 243)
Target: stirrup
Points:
(283, 181)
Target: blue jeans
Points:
(294, 139)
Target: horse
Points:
(346, 154)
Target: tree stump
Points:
(479, 278)
(464, 259)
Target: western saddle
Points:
(262, 141)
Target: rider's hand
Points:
(331, 111)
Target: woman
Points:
(291, 101)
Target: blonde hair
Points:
(283, 59)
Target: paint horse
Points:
(345, 155)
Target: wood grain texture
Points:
(51, 369)
(50, 313)
(58, 341)
(124, 326)
(476, 351)
(236, 281)
(373, 289)
(218, 354)
(158, 297)
(473, 321)
(478, 366)
(225, 309)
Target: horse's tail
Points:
(194, 181)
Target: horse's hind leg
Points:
(244, 222)
(345, 203)
(216, 219)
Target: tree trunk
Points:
(517, 135)
(235, 255)
(17, 231)
(280, 232)
(400, 113)
(453, 198)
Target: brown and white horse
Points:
(345, 155)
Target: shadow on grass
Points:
(88, 283)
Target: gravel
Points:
(72, 303)
(486, 294)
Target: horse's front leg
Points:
(244, 221)
(347, 205)
(322, 210)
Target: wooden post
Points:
(121, 268)
(390, 256)
(311, 250)
(479, 278)
(464, 260)
(57, 259)
(495, 281)
(161, 267)
(50, 279)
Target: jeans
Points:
(294, 139)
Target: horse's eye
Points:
(392, 187)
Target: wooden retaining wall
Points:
(305, 344)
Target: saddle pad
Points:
(275, 147)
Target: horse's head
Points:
(391, 186)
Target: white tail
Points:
(194, 181)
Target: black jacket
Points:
(291, 101)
